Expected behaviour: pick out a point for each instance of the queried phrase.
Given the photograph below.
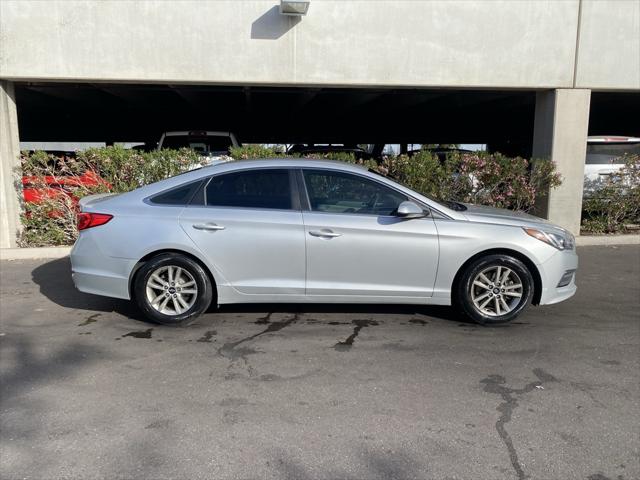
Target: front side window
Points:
(251, 189)
(337, 192)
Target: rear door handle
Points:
(324, 233)
(208, 226)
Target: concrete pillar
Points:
(10, 181)
(560, 133)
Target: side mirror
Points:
(410, 210)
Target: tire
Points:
(501, 303)
(172, 289)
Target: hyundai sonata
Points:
(313, 231)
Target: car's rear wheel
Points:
(494, 289)
(172, 289)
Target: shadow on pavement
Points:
(54, 280)
(31, 368)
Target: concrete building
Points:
(529, 76)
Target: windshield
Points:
(204, 144)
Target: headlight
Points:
(561, 241)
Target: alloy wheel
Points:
(171, 290)
(496, 291)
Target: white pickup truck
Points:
(209, 144)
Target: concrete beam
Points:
(10, 185)
(560, 133)
(350, 42)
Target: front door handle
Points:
(324, 233)
(208, 226)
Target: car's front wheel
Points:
(494, 289)
(172, 289)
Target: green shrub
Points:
(127, 169)
(614, 206)
(490, 179)
(48, 223)
(250, 151)
(482, 178)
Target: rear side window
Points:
(181, 195)
(251, 189)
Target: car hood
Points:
(502, 216)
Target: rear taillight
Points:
(88, 220)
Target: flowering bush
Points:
(482, 178)
(614, 206)
(53, 185)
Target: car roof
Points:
(286, 163)
(239, 165)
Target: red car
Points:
(36, 189)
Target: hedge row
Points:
(615, 205)
(489, 179)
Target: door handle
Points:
(208, 226)
(324, 233)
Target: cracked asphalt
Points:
(89, 390)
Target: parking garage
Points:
(110, 112)
(348, 72)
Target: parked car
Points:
(300, 149)
(604, 158)
(304, 230)
(207, 143)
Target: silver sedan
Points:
(291, 231)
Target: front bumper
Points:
(552, 272)
(94, 272)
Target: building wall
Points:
(609, 45)
(456, 43)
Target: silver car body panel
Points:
(266, 255)
(259, 251)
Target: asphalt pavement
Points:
(89, 390)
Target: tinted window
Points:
(251, 189)
(177, 196)
(338, 192)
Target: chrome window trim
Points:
(259, 209)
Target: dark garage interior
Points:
(106, 112)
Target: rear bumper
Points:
(552, 272)
(93, 272)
